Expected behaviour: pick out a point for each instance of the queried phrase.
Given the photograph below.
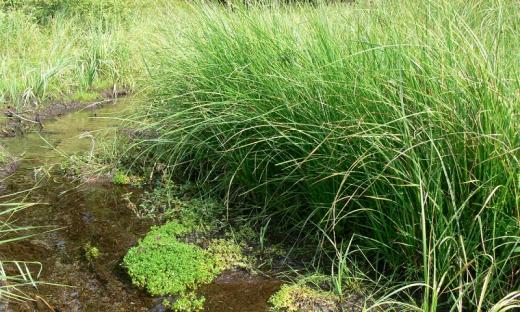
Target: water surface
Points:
(94, 213)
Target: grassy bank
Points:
(385, 133)
(66, 50)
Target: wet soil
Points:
(94, 213)
(18, 122)
(239, 291)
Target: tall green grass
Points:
(389, 130)
(73, 53)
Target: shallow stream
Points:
(94, 213)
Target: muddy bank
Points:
(239, 290)
(20, 122)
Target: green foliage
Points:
(91, 252)
(165, 201)
(165, 266)
(227, 254)
(44, 10)
(178, 201)
(205, 213)
(301, 298)
(120, 178)
(49, 57)
(16, 274)
(388, 130)
(189, 302)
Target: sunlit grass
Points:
(15, 276)
(386, 132)
(73, 54)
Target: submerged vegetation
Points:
(294, 298)
(382, 135)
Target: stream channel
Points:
(93, 213)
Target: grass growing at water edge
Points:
(15, 275)
(387, 134)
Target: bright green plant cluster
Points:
(121, 178)
(389, 131)
(227, 254)
(166, 266)
(44, 10)
(189, 302)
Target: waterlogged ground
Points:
(94, 213)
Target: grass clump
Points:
(385, 133)
(44, 11)
(302, 298)
(163, 265)
(62, 50)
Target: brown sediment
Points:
(18, 123)
(7, 168)
(239, 290)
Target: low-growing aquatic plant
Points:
(227, 254)
(188, 302)
(120, 178)
(90, 252)
(302, 298)
(163, 265)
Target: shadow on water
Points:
(94, 213)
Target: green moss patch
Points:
(227, 255)
(189, 302)
(166, 266)
(292, 298)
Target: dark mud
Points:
(239, 291)
(95, 214)
(17, 123)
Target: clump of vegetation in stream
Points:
(397, 146)
(302, 298)
(187, 302)
(164, 264)
(91, 252)
(121, 178)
